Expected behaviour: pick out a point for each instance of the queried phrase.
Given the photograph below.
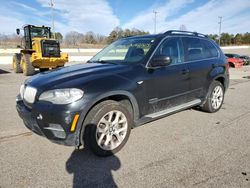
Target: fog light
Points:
(56, 130)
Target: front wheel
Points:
(215, 97)
(107, 128)
(16, 63)
(27, 67)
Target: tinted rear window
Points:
(196, 49)
(209, 49)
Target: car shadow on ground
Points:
(4, 71)
(91, 171)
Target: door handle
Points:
(185, 71)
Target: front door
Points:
(167, 86)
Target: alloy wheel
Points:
(111, 130)
(217, 97)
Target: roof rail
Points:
(176, 32)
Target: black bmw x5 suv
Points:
(133, 81)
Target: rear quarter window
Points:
(209, 49)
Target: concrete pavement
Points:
(187, 149)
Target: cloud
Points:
(98, 16)
(77, 15)
(9, 24)
(203, 18)
(23, 6)
(14, 15)
(145, 19)
(83, 16)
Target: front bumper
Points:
(48, 62)
(52, 122)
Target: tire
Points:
(231, 65)
(16, 63)
(27, 67)
(101, 136)
(215, 97)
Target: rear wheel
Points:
(16, 63)
(215, 97)
(27, 67)
(107, 128)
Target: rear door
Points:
(201, 56)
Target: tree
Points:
(100, 39)
(214, 37)
(74, 38)
(226, 39)
(118, 33)
(238, 39)
(59, 36)
(246, 38)
(114, 35)
(126, 33)
(90, 38)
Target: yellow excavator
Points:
(38, 50)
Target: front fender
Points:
(99, 98)
(129, 95)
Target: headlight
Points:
(29, 94)
(62, 96)
(22, 91)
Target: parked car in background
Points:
(234, 60)
(246, 59)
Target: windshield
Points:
(40, 32)
(125, 51)
(236, 55)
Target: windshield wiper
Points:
(104, 62)
(89, 61)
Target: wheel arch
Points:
(222, 80)
(125, 97)
(231, 64)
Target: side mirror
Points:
(17, 31)
(160, 61)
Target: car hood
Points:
(83, 72)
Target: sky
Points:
(102, 16)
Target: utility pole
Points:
(220, 21)
(52, 17)
(155, 12)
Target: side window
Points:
(196, 49)
(27, 39)
(193, 49)
(171, 47)
(209, 49)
